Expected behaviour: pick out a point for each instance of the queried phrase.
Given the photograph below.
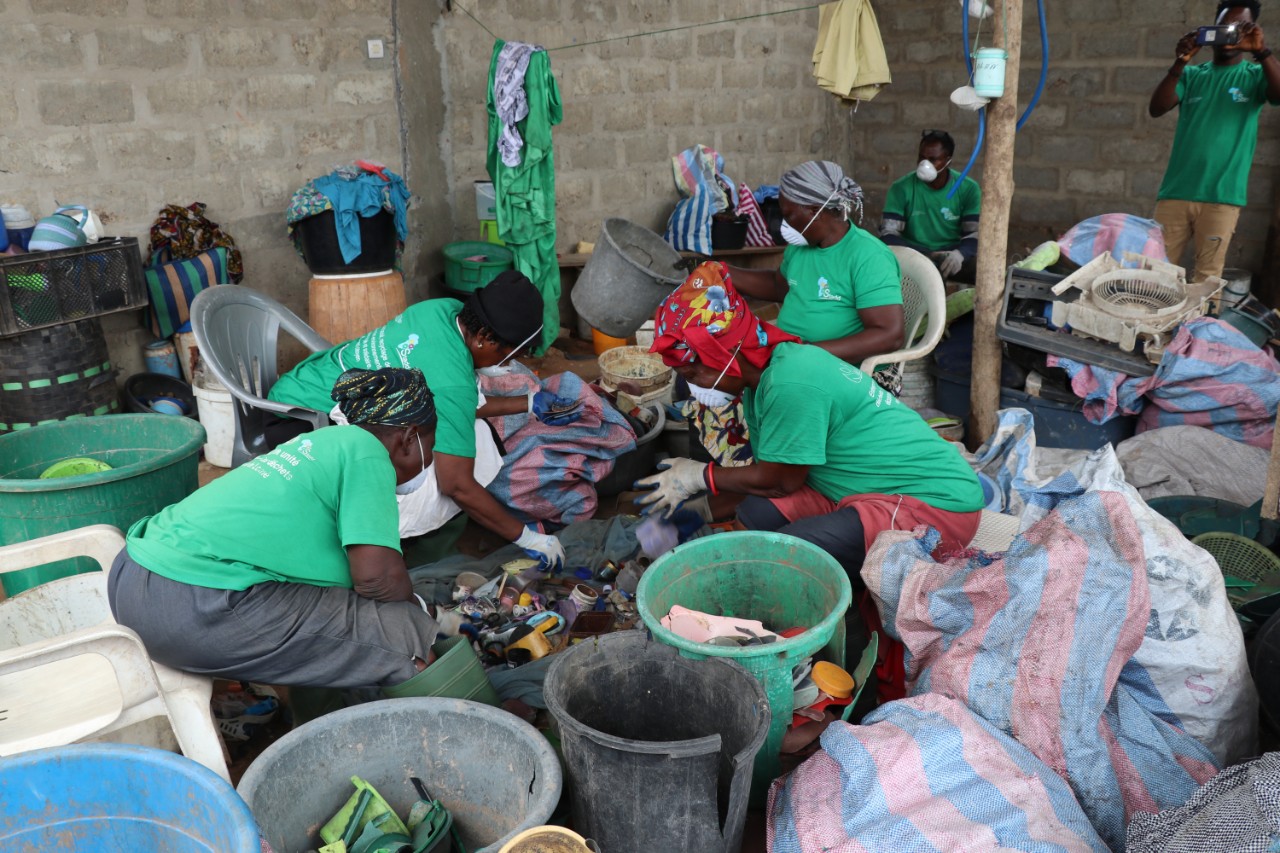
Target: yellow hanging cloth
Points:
(848, 59)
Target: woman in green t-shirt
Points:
(288, 570)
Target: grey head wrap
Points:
(821, 183)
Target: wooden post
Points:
(993, 231)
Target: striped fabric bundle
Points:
(698, 175)
(1038, 642)
(757, 229)
(925, 773)
(549, 472)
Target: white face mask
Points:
(796, 238)
(927, 172)
(418, 481)
(714, 398)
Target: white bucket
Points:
(1239, 284)
(644, 334)
(218, 416)
(988, 71)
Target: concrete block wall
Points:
(1089, 148)
(629, 105)
(127, 105)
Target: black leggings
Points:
(839, 533)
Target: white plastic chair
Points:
(69, 672)
(924, 300)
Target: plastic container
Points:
(1239, 284)
(47, 288)
(631, 270)
(486, 201)
(147, 392)
(1253, 319)
(184, 342)
(634, 369)
(784, 582)
(1239, 557)
(644, 335)
(318, 238)
(161, 357)
(489, 232)
(1060, 425)
(469, 265)
(99, 797)
(659, 749)
(18, 224)
(1195, 514)
(54, 373)
(456, 673)
(154, 463)
(988, 71)
(602, 343)
(729, 234)
(495, 773)
(217, 412)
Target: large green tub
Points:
(154, 461)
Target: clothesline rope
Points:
(652, 32)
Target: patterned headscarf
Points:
(391, 396)
(706, 319)
(821, 183)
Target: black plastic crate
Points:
(42, 289)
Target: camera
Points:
(1218, 35)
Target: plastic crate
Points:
(42, 289)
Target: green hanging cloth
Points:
(526, 191)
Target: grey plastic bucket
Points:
(659, 748)
(631, 270)
(494, 772)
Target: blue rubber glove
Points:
(552, 410)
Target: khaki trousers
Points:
(1209, 225)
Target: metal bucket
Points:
(630, 272)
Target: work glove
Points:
(552, 410)
(542, 546)
(677, 480)
(949, 263)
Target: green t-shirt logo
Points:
(407, 347)
(824, 290)
(947, 214)
(1238, 96)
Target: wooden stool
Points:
(343, 307)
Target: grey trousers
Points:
(290, 634)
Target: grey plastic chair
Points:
(237, 330)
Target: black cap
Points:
(511, 307)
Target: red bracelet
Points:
(711, 480)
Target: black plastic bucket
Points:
(318, 238)
(142, 391)
(55, 373)
(659, 748)
(728, 234)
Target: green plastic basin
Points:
(153, 461)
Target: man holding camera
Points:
(1205, 182)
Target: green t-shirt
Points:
(827, 287)
(813, 409)
(285, 516)
(425, 336)
(933, 220)
(1218, 108)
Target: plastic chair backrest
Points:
(237, 330)
(924, 301)
(68, 671)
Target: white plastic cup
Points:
(988, 71)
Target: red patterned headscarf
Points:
(706, 319)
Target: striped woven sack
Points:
(173, 284)
(689, 228)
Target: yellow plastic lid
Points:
(832, 680)
(525, 599)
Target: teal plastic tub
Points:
(778, 579)
(154, 461)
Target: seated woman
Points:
(840, 287)
(448, 341)
(837, 458)
(287, 570)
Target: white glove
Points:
(678, 480)
(542, 546)
(949, 262)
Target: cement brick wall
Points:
(629, 105)
(127, 105)
(1089, 148)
